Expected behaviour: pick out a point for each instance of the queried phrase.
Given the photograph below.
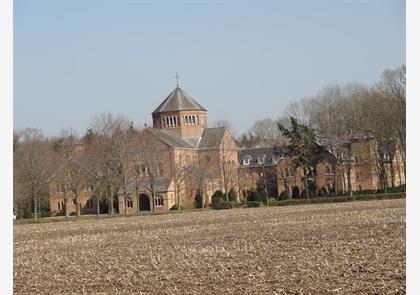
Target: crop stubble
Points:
(348, 248)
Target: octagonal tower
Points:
(181, 114)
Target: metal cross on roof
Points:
(177, 78)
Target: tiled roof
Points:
(255, 153)
(178, 100)
(171, 138)
(162, 184)
(212, 138)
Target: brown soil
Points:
(347, 248)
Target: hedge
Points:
(340, 199)
(253, 204)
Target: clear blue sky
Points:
(242, 61)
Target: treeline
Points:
(112, 153)
(339, 114)
(104, 158)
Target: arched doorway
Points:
(144, 202)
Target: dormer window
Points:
(246, 160)
(261, 159)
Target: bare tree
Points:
(392, 86)
(180, 177)
(124, 149)
(301, 110)
(150, 156)
(225, 123)
(66, 151)
(77, 178)
(112, 134)
(32, 166)
(200, 177)
(265, 128)
(376, 123)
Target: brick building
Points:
(207, 158)
(196, 160)
(278, 174)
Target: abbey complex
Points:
(191, 159)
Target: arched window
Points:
(159, 201)
(198, 120)
(327, 170)
(193, 119)
(129, 203)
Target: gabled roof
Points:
(255, 153)
(171, 138)
(178, 100)
(162, 185)
(212, 138)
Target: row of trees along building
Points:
(337, 116)
(110, 153)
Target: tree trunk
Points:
(392, 168)
(66, 203)
(111, 200)
(153, 197)
(335, 178)
(405, 170)
(306, 183)
(35, 207)
(203, 198)
(97, 206)
(349, 187)
(77, 204)
(177, 195)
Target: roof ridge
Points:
(178, 100)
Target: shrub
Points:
(271, 201)
(340, 199)
(254, 196)
(217, 202)
(232, 195)
(45, 214)
(198, 201)
(253, 204)
(175, 207)
(19, 213)
(263, 193)
(284, 196)
(219, 194)
(27, 214)
(227, 205)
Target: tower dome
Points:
(182, 114)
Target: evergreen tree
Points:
(302, 148)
